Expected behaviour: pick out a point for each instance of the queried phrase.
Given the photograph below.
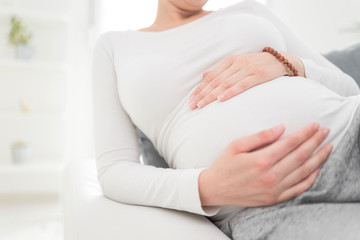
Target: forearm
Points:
(333, 79)
(206, 189)
(317, 67)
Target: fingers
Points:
(299, 188)
(237, 87)
(226, 85)
(270, 155)
(300, 155)
(212, 74)
(311, 165)
(205, 73)
(256, 140)
(208, 93)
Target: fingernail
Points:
(278, 128)
(316, 126)
(326, 131)
(221, 97)
(201, 104)
(329, 148)
(192, 104)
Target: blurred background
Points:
(45, 89)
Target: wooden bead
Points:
(282, 59)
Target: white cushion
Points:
(88, 215)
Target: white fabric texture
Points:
(144, 79)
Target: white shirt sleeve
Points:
(121, 175)
(317, 67)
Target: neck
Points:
(168, 14)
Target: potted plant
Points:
(19, 37)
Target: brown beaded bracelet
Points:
(282, 59)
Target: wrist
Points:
(303, 72)
(206, 188)
(296, 62)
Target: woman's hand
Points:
(238, 73)
(245, 175)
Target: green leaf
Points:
(18, 33)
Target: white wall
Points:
(322, 23)
(80, 138)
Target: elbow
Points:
(101, 181)
(105, 185)
(113, 181)
(102, 174)
(352, 88)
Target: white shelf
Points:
(44, 17)
(32, 116)
(32, 65)
(30, 178)
(42, 166)
(49, 72)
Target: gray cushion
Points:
(348, 60)
(149, 154)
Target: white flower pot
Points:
(24, 52)
(20, 153)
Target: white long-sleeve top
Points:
(144, 79)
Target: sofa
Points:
(89, 215)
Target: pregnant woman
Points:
(226, 160)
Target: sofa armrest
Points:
(88, 215)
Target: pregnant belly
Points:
(195, 138)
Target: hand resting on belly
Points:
(273, 173)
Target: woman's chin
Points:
(194, 5)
